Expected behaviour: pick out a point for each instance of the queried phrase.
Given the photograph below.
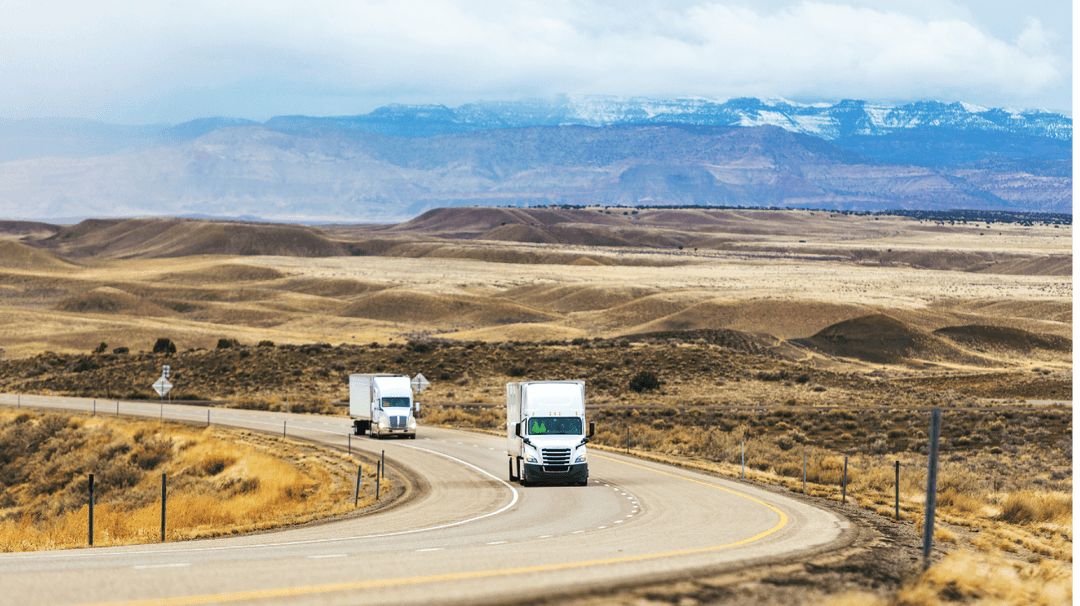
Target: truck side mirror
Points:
(592, 428)
(517, 429)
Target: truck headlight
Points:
(580, 459)
(530, 458)
(412, 423)
(384, 423)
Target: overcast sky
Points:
(149, 61)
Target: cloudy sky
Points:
(150, 61)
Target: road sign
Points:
(162, 386)
(420, 383)
(165, 371)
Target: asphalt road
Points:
(469, 537)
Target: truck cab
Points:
(547, 432)
(382, 405)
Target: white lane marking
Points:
(619, 521)
(320, 557)
(431, 549)
(498, 543)
(161, 566)
(601, 527)
(21, 557)
(544, 536)
(577, 532)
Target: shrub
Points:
(1027, 507)
(151, 453)
(101, 348)
(227, 343)
(266, 344)
(164, 345)
(215, 463)
(644, 381)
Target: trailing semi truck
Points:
(546, 432)
(382, 405)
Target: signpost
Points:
(162, 387)
(420, 383)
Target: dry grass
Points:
(976, 580)
(219, 482)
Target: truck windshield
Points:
(395, 402)
(539, 426)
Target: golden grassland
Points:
(219, 481)
(976, 579)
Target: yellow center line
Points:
(459, 576)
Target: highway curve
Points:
(469, 537)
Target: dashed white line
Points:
(431, 549)
(319, 557)
(161, 566)
(497, 543)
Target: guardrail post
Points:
(359, 478)
(162, 508)
(378, 476)
(804, 474)
(91, 530)
(382, 466)
(931, 486)
(742, 474)
(284, 428)
(94, 413)
(843, 486)
(898, 491)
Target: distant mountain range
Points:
(398, 161)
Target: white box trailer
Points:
(382, 405)
(546, 432)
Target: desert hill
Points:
(1004, 338)
(16, 255)
(596, 234)
(154, 238)
(881, 339)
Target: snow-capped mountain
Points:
(827, 121)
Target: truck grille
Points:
(557, 456)
(398, 422)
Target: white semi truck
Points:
(546, 432)
(382, 404)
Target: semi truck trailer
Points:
(546, 432)
(382, 405)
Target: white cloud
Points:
(156, 60)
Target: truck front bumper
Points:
(555, 475)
